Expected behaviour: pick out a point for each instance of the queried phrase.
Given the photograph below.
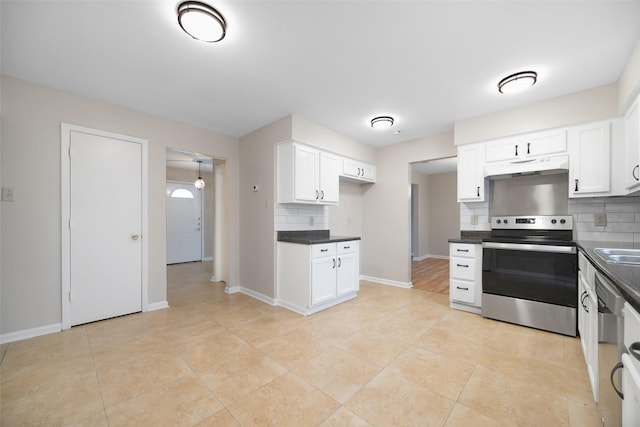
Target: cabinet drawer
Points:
(462, 291)
(322, 250)
(348, 247)
(462, 268)
(632, 331)
(463, 250)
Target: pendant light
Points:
(199, 184)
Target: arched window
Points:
(181, 193)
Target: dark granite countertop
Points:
(626, 277)
(312, 237)
(471, 236)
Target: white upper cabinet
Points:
(520, 147)
(471, 183)
(632, 147)
(590, 160)
(358, 171)
(307, 175)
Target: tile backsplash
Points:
(290, 216)
(622, 218)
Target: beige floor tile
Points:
(221, 419)
(392, 400)
(286, 401)
(377, 349)
(474, 329)
(203, 353)
(125, 381)
(137, 348)
(401, 328)
(499, 396)
(449, 344)
(337, 373)
(344, 418)
(438, 373)
(461, 416)
(118, 330)
(259, 331)
(179, 336)
(583, 415)
(183, 402)
(234, 377)
(63, 401)
(293, 348)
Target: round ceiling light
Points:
(382, 122)
(517, 82)
(201, 21)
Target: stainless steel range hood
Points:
(538, 166)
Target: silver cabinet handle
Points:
(135, 236)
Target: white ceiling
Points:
(449, 164)
(336, 63)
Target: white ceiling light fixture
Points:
(201, 21)
(518, 82)
(382, 122)
(199, 183)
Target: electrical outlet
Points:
(474, 219)
(8, 194)
(600, 220)
(311, 220)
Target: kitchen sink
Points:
(621, 256)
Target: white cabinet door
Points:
(471, 173)
(306, 172)
(632, 146)
(502, 150)
(543, 143)
(347, 273)
(631, 392)
(358, 171)
(329, 178)
(323, 279)
(590, 160)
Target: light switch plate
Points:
(8, 194)
(474, 219)
(600, 220)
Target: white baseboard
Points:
(209, 258)
(251, 293)
(30, 333)
(157, 306)
(405, 285)
(438, 256)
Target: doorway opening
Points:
(196, 218)
(435, 218)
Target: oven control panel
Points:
(537, 222)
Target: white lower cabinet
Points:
(631, 371)
(465, 276)
(314, 277)
(588, 320)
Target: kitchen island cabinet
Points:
(313, 277)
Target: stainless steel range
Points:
(530, 272)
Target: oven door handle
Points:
(530, 247)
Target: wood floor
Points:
(431, 274)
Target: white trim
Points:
(405, 285)
(420, 258)
(30, 333)
(465, 307)
(209, 258)
(423, 257)
(251, 293)
(201, 198)
(157, 306)
(65, 182)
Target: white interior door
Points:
(184, 222)
(106, 212)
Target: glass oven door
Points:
(543, 273)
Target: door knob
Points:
(135, 236)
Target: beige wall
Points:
(208, 193)
(590, 105)
(629, 83)
(444, 212)
(346, 218)
(386, 252)
(31, 238)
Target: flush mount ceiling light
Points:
(199, 183)
(201, 21)
(517, 82)
(382, 122)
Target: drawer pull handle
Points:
(334, 263)
(634, 349)
(339, 263)
(346, 247)
(324, 250)
(462, 265)
(461, 288)
(462, 250)
(619, 365)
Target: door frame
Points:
(189, 183)
(65, 183)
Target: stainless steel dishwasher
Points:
(610, 349)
